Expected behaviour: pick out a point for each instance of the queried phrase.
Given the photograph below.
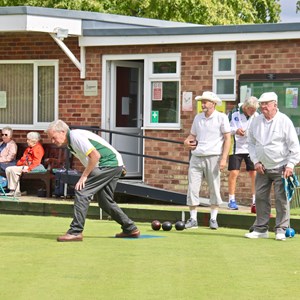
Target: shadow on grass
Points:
(209, 232)
(45, 236)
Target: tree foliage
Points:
(209, 12)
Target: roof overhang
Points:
(35, 23)
(183, 35)
(182, 39)
(98, 29)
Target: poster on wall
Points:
(291, 97)
(187, 101)
(157, 91)
(245, 92)
(2, 99)
(220, 108)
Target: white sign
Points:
(187, 102)
(90, 88)
(3, 99)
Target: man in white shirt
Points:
(209, 141)
(274, 149)
(240, 119)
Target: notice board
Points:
(286, 86)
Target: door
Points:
(126, 113)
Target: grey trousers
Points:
(263, 184)
(101, 184)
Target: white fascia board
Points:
(13, 23)
(183, 39)
(39, 24)
(50, 24)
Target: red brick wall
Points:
(76, 109)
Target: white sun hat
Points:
(266, 97)
(210, 96)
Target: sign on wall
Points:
(157, 91)
(90, 88)
(187, 101)
(3, 99)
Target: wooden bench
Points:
(54, 158)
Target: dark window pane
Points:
(164, 67)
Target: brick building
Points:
(139, 77)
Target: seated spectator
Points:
(8, 149)
(30, 161)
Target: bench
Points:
(54, 158)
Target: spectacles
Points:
(4, 134)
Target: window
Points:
(224, 74)
(28, 93)
(162, 92)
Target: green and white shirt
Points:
(82, 142)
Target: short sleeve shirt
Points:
(82, 142)
(209, 133)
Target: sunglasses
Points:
(4, 134)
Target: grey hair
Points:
(34, 136)
(251, 102)
(58, 125)
(9, 129)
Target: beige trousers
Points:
(13, 177)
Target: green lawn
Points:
(195, 264)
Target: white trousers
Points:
(204, 167)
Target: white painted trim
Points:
(231, 54)
(184, 39)
(36, 63)
(67, 51)
(147, 82)
(83, 62)
(39, 24)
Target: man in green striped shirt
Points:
(103, 167)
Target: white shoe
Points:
(257, 235)
(280, 237)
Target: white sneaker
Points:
(280, 237)
(257, 235)
(191, 224)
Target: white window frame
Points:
(37, 63)
(217, 55)
(153, 77)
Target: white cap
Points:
(210, 96)
(266, 97)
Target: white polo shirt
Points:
(209, 133)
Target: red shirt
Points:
(32, 156)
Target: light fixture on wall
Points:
(61, 33)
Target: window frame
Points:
(151, 77)
(37, 63)
(217, 55)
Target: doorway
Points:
(126, 112)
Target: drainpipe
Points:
(80, 65)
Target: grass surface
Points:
(194, 264)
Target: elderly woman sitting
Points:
(8, 149)
(30, 161)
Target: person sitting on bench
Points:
(30, 161)
(8, 149)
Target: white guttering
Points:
(185, 39)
